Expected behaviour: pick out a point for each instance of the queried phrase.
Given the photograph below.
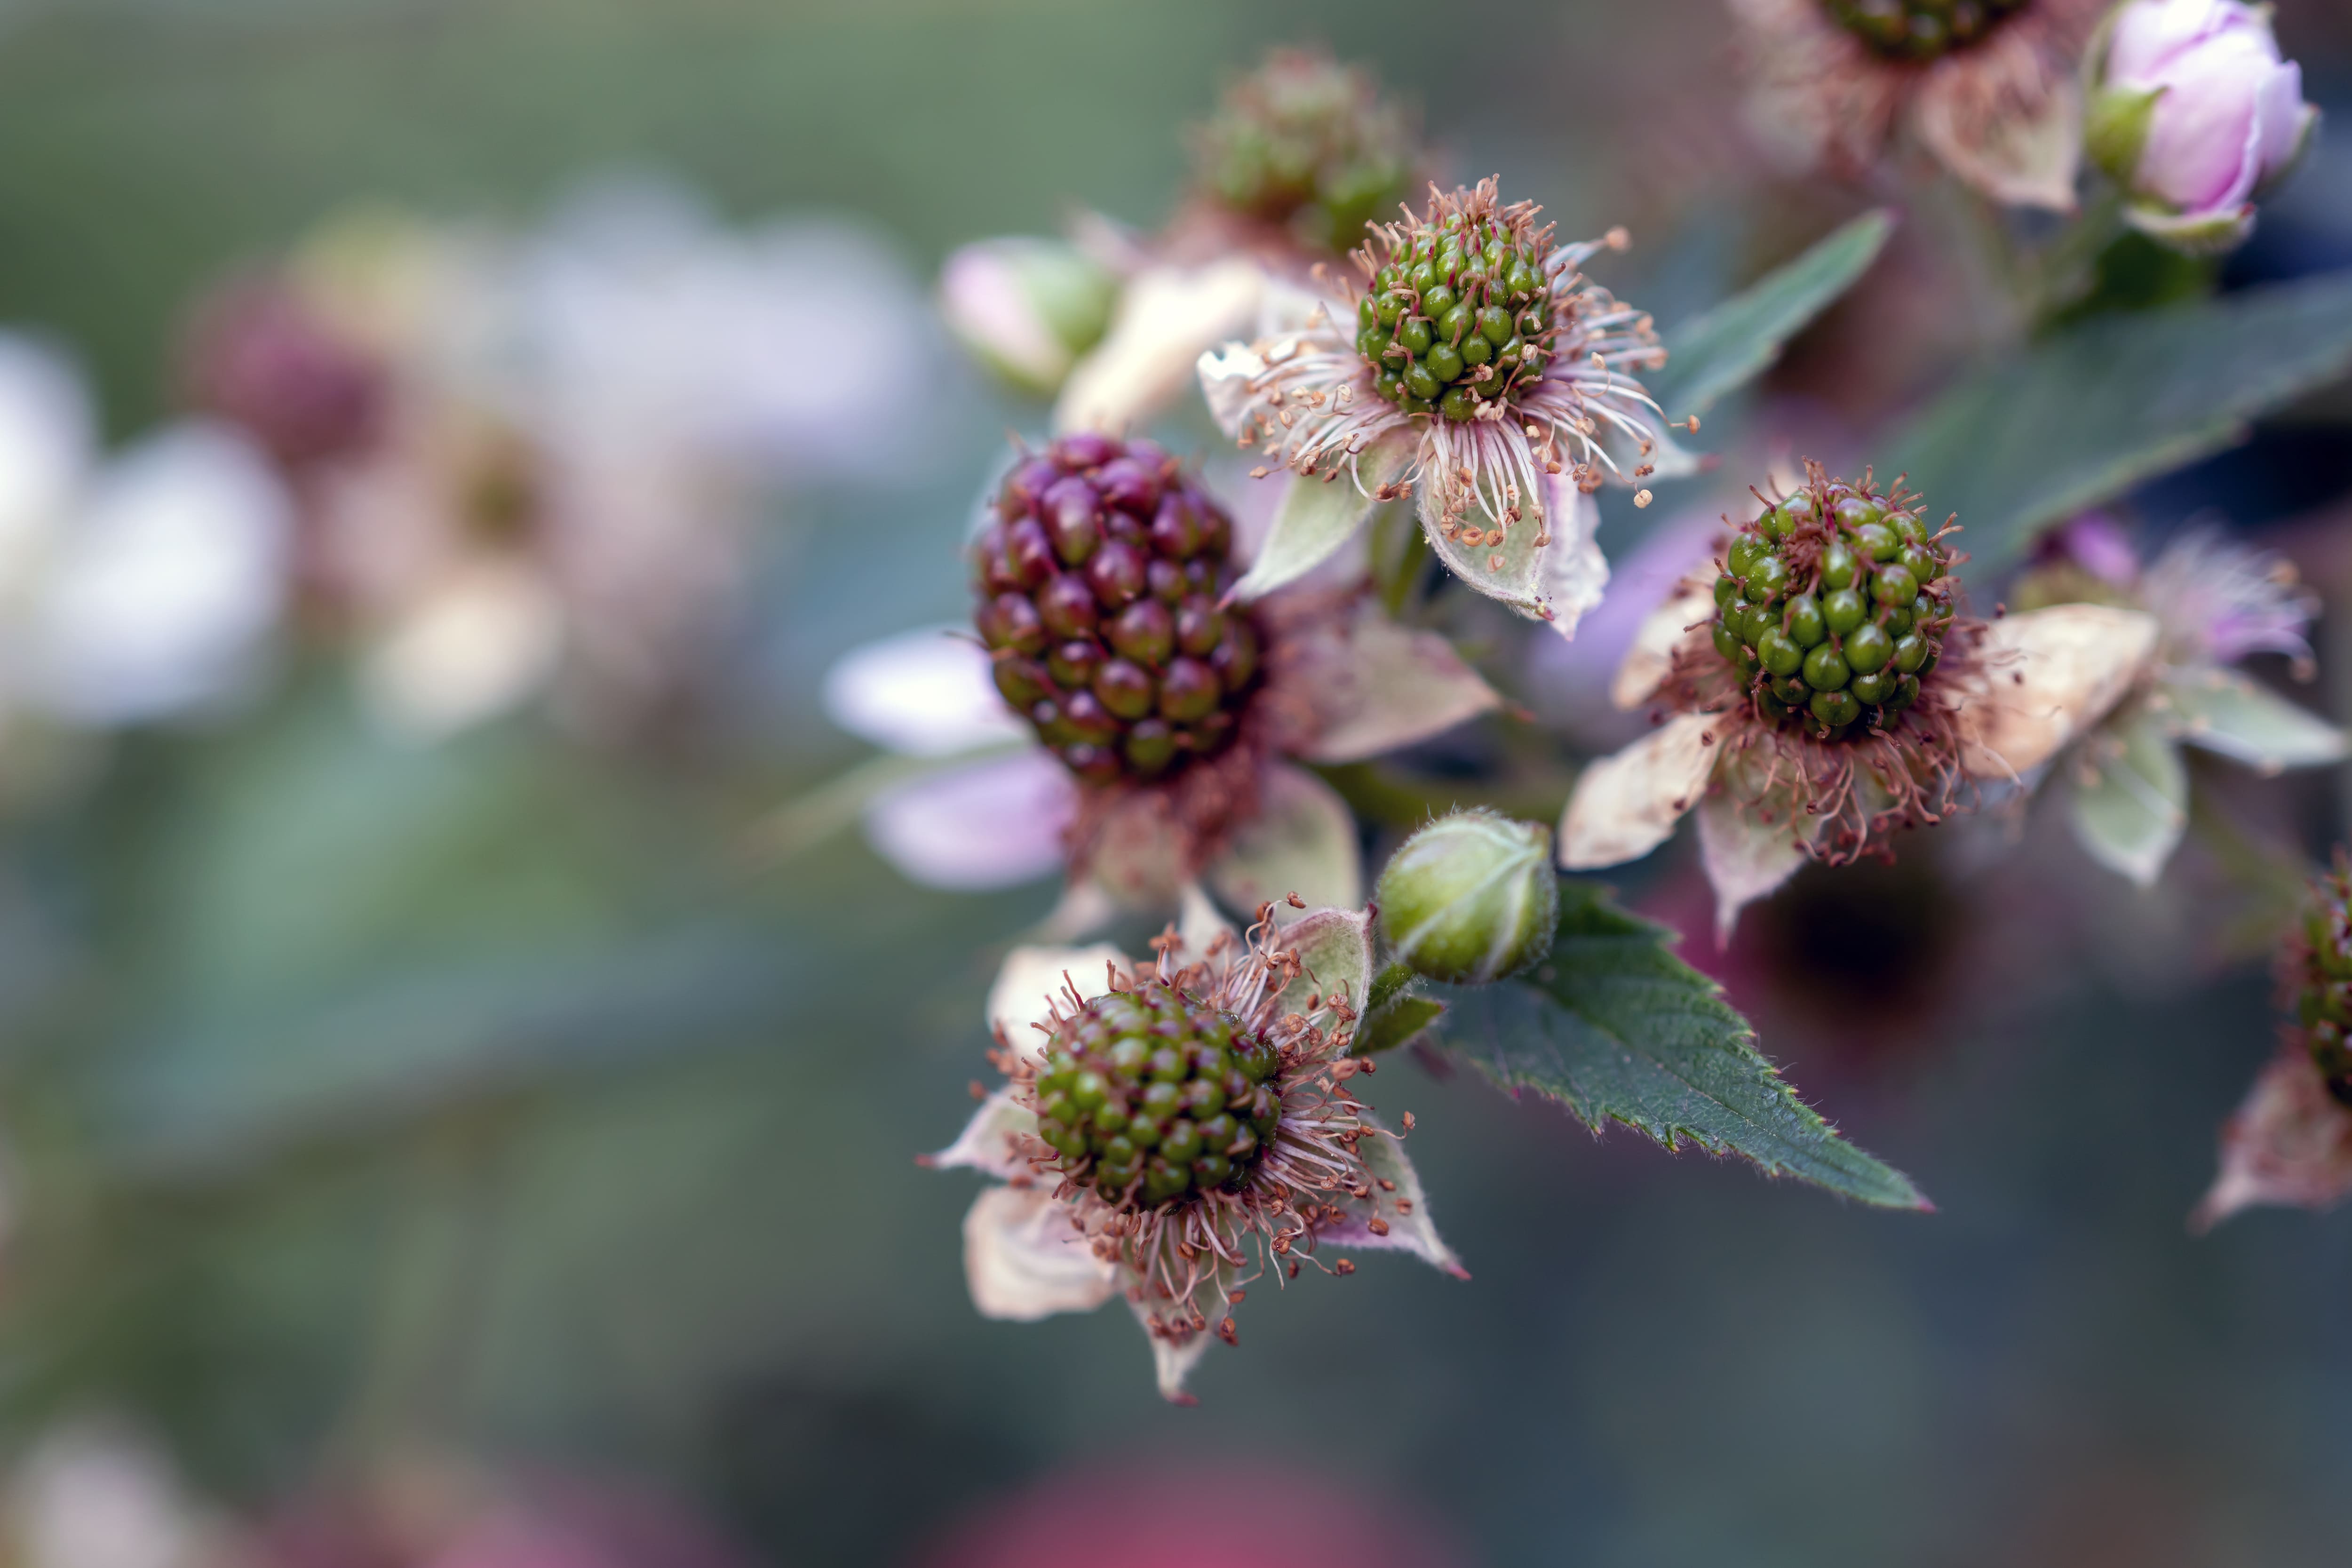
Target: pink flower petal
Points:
(989, 1140)
(1024, 1261)
(925, 693)
(1626, 805)
(1378, 686)
(2290, 1143)
(991, 824)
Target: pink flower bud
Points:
(1026, 307)
(2196, 114)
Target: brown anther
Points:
(1408, 1121)
(1344, 1266)
(975, 1089)
(1377, 1225)
(1294, 901)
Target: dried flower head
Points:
(1823, 691)
(1308, 145)
(1479, 367)
(1187, 1129)
(1989, 85)
(1834, 616)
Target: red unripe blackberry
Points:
(1099, 596)
(2321, 973)
(1152, 1095)
(1833, 607)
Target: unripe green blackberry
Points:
(1832, 606)
(1308, 143)
(1152, 1095)
(1921, 30)
(1470, 897)
(1099, 589)
(2321, 973)
(1459, 314)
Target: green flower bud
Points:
(1470, 897)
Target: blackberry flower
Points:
(1821, 690)
(2291, 1141)
(1173, 1132)
(2214, 603)
(1162, 721)
(1477, 368)
(1989, 85)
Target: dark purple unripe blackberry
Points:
(2322, 976)
(1309, 143)
(1921, 30)
(1150, 1096)
(1833, 607)
(1458, 316)
(1099, 588)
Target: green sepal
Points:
(2114, 128)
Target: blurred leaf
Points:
(1614, 1026)
(1738, 340)
(2090, 413)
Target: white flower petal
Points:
(94, 1493)
(990, 1141)
(1172, 1361)
(1303, 841)
(1378, 686)
(1167, 318)
(1651, 656)
(2025, 154)
(1225, 376)
(1574, 575)
(1626, 805)
(1200, 925)
(1021, 995)
(1025, 1260)
(2050, 674)
(163, 594)
(1746, 859)
(926, 693)
(46, 447)
(994, 823)
(1404, 1211)
(477, 646)
(2290, 1142)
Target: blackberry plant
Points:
(1921, 30)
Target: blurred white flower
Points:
(95, 1494)
(135, 588)
(576, 426)
(1027, 306)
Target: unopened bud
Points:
(2194, 114)
(1027, 307)
(1470, 897)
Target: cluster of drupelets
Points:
(1459, 314)
(2321, 974)
(1921, 30)
(1101, 586)
(1831, 607)
(1148, 1094)
(1308, 142)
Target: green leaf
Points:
(1613, 1026)
(2221, 711)
(2097, 409)
(2131, 806)
(1737, 341)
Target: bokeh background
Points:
(486, 1107)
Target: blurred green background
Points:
(484, 1099)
